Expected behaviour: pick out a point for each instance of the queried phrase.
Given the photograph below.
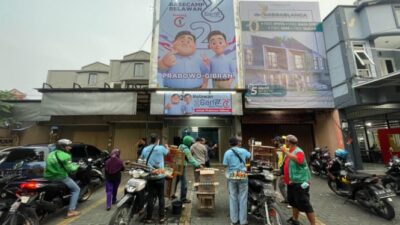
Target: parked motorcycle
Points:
(40, 197)
(319, 161)
(392, 178)
(365, 189)
(135, 194)
(97, 177)
(262, 197)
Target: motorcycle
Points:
(8, 189)
(365, 189)
(319, 161)
(97, 177)
(262, 197)
(392, 178)
(134, 197)
(40, 197)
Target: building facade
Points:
(362, 44)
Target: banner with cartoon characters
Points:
(197, 104)
(194, 45)
(284, 55)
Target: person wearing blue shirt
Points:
(238, 188)
(154, 156)
(187, 107)
(222, 67)
(182, 67)
(175, 106)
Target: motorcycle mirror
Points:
(90, 160)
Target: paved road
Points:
(330, 209)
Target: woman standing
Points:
(113, 169)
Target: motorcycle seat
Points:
(358, 176)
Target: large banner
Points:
(197, 104)
(284, 56)
(194, 45)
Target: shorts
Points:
(299, 198)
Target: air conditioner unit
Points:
(115, 85)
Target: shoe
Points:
(173, 197)
(108, 208)
(237, 223)
(149, 221)
(186, 201)
(73, 213)
(291, 221)
(288, 206)
(162, 220)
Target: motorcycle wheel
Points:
(333, 186)
(24, 216)
(122, 215)
(85, 194)
(275, 215)
(385, 209)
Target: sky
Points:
(41, 35)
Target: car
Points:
(30, 160)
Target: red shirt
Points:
(300, 158)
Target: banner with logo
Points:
(197, 104)
(195, 45)
(284, 55)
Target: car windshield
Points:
(22, 154)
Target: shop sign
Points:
(197, 104)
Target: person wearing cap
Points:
(296, 176)
(235, 161)
(58, 166)
(185, 148)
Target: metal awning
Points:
(88, 103)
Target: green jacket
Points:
(185, 149)
(299, 173)
(54, 171)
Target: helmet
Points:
(341, 153)
(188, 140)
(62, 143)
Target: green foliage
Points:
(6, 109)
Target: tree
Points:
(6, 118)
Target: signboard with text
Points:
(195, 45)
(284, 55)
(197, 104)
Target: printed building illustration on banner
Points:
(284, 56)
(195, 45)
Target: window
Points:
(93, 152)
(272, 59)
(139, 69)
(363, 61)
(299, 61)
(92, 79)
(316, 63)
(321, 63)
(396, 12)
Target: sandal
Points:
(73, 213)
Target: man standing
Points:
(184, 147)
(199, 152)
(296, 175)
(154, 156)
(234, 160)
